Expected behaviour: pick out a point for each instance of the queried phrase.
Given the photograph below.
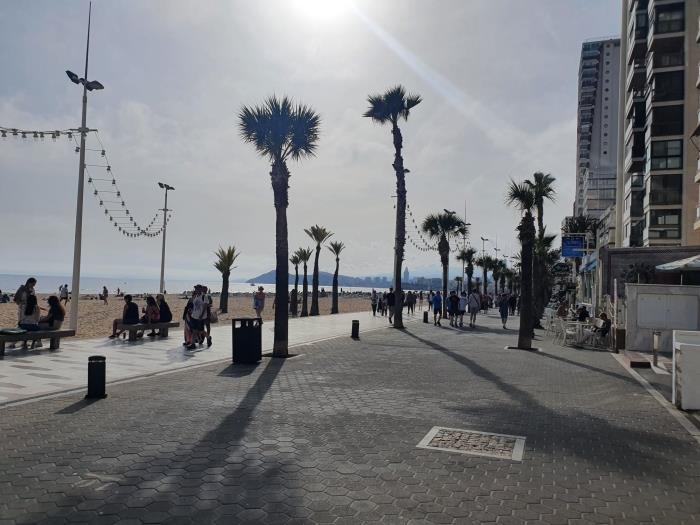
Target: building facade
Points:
(597, 133)
(657, 168)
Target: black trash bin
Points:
(247, 340)
(96, 377)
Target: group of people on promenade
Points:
(385, 303)
(156, 310)
(457, 305)
(29, 314)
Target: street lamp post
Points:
(483, 257)
(464, 247)
(77, 246)
(165, 227)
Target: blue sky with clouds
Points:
(498, 79)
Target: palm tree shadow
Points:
(579, 427)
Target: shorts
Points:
(196, 324)
(436, 309)
(462, 312)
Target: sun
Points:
(322, 9)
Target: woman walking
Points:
(373, 299)
(504, 308)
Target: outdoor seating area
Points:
(54, 336)
(591, 333)
(134, 329)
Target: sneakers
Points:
(192, 347)
(113, 336)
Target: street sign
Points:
(573, 245)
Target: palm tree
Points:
(522, 197)
(486, 263)
(336, 248)
(304, 256)
(280, 130)
(441, 227)
(542, 185)
(466, 257)
(319, 235)
(224, 263)
(583, 224)
(294, 301)
(497, 272)
(390, 107)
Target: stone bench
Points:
(52, 335)
(142, 327)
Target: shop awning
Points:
(682, 265)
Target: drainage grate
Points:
(475, 443)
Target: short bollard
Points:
(96, 377)
(355, 329)
(425, 316)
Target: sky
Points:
(498, 80)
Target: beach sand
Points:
(95, 318)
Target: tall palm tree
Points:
(390, 107)
(441, 227)
(225, 257)
(466, 257)
(280, 131)
(304, 256)
(497, 272)
(319, 235)
(580, 224)
(542, 185)
(336, 248)
(522, 197)
(294, 300)
(486, 264)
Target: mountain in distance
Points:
(325, 279)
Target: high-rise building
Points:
(657, 168)
(406, 275)
(597, 136)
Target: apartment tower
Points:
(597, 134)
(657, 167)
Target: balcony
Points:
(634, 97)
(667, 29)
(635, 75)
(590, 53)
(634, 154)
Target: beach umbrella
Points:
(688, 264)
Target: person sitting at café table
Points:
(563, 310)
(582, 314)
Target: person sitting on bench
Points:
(151, 314)
(166, 315)
(54, 319)
(130, 315)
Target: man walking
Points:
(437, 308)
(474, 302)
(391, 303)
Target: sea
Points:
(89, 285)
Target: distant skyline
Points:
(498, 79)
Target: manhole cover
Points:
(473, 442)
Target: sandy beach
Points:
(95, 318)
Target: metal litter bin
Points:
(96, 377)
(247, 340)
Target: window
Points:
(669, 21)
(665, 224)
(667, 120)
(666, 155)
(667, 86)
(666, 189)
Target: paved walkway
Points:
(332, 436)
(32, 373)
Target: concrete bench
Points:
(142, 327)
(52, 335)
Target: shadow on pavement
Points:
(77, 406)
(639, 452)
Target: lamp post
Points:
(464, 247)
(483, 259)
(165, 227)
(88, 85)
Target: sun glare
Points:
(322, 9)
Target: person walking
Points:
(437, 308)
(512, 302)
(391, 304)
(474, 303)
(503, 309)
(259, 302)
(374, 298)
(63, 294)
(463, 301)
(105, 294)
(453, 307)
(420, 301)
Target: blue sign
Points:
(573, 245)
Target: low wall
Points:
(663, 307)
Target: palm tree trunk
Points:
(280, 184)
(527, 236)
(400, 240)
(223, 300)
(495, 284)
(444, 249)
(485, 283)
(469, 283)
(334, 306)
(304, 294)
(444, 288)
(295, 297)
(314, 284)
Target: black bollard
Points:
(355, 329)
(425, 316)
(96, 377)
